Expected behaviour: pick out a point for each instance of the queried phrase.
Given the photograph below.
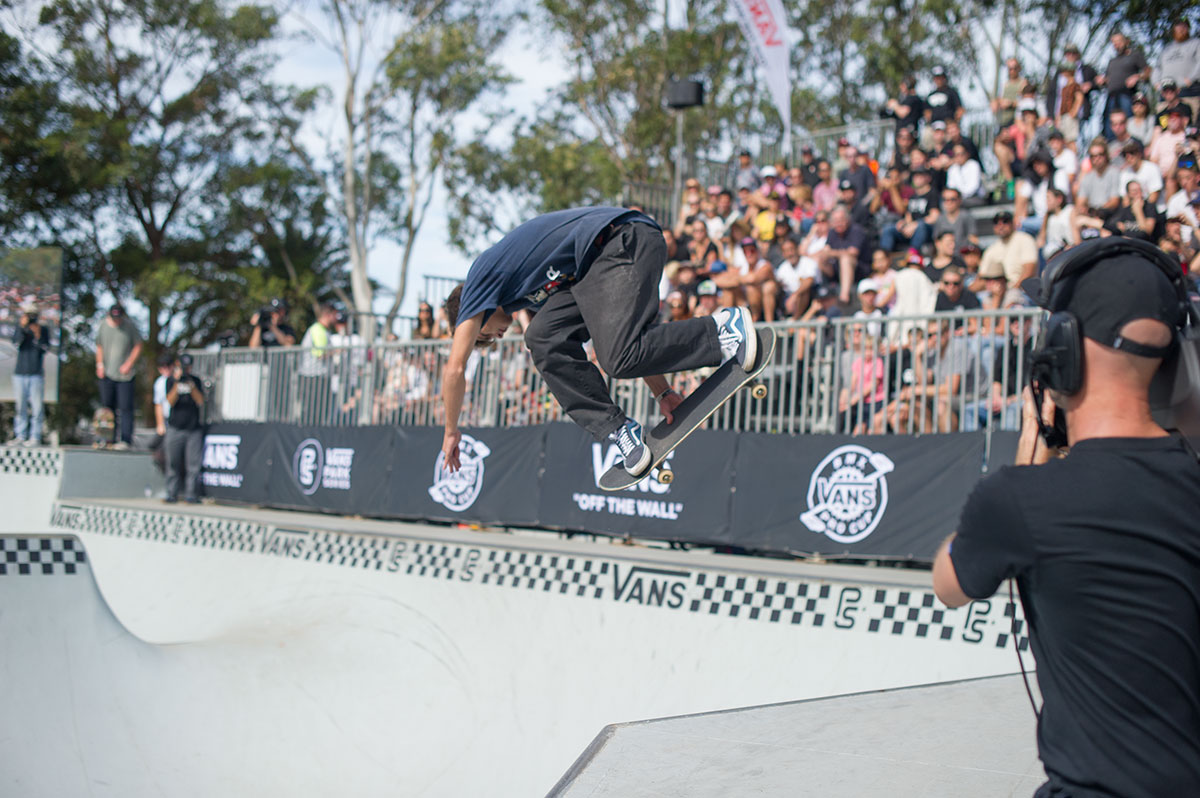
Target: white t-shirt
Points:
(1037, 194)
(1178, 205)
(789, 276)
(967, 178)
(1058, 232)
(1066, 162)
(1148, 174)
(160, 396)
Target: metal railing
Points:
(903, 375)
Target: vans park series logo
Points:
(848, 493)
(314, 466)
(457, 491)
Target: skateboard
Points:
(695, 409)
(103, 422)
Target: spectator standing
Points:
(1125, 70)
(118, 347)
(185, 436)
(1014, 251)
(1085, 76)
(943, 102)
(1069, 104)
(314, 367)
(271, 327)
(1005, 105)
(747, 174)
(808, 167)
(1180, 60)
(32, 341)
(907, 108)
(162, 409)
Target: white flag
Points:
(765, 27)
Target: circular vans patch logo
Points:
(459, 490)
(847, 493)
(307, 464)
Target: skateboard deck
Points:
(695, 409)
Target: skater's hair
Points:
(451, 306)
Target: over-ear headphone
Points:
(1057, 355)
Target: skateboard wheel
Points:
(666, 476)
(758, 391)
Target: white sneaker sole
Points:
(636, 469)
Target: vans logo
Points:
(847, 493)
(607, 455)
(221, 461)
(459, 490)
(651, 587)
(285, 542)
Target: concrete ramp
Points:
(972, 738)
(197, 651)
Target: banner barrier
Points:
(865, 497)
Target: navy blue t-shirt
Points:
(541, 254)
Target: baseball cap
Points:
(1071, 48)
(823, 292)
(744, 154)
(185, 359)
(1027, 105)
(938, 71)
(914, 257)
(1133, 145)
(116, 311)
(1168, 83)
(845, 184)
(1186, 161)
(747, 242)
(991, 271)
(970, 249)
(1195, 198)
(1140, 98)
(166, 360)
(706, 288)
(1181, 109)
(806, 148)
(768, 171)
(1002, 216)
(1108, 295)
(867, 284)
(939, 125)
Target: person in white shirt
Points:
(966, 175)
(1145, 172)
(795, 275)
(1030, 203)
(1066, 162)
(1057, 232)
(1179, 203)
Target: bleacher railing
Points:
(929, 374)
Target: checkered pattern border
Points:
(41, 556)
(902, 612)
(38, 461)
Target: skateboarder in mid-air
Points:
(588, 273)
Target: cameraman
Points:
(271, 327)
(1104, 543)
(29, 379)
(185, 439)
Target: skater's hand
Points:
(668, 404)
(125, 368)
(99, 371)
(450, 450)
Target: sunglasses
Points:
(951, 282)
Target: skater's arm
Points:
(454, 385)
(668, 398)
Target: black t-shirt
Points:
(855, 236)
(935, 274)
(942, 104)
(1008, 368)
(1105, 545)
(916, 107)
(919, 205)
(968, 145)
(809, 172)
(185, 413)
(268, 336)
(1124, 223)
(966, 301)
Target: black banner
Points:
(695, 507)
(888, 496)
(498, 481)
(238, 459)
(885, 496)
(336, 469)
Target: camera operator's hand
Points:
(1031, 449)
(254, 319)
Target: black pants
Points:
(184, 449)
(118, 397)
(616, 305)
